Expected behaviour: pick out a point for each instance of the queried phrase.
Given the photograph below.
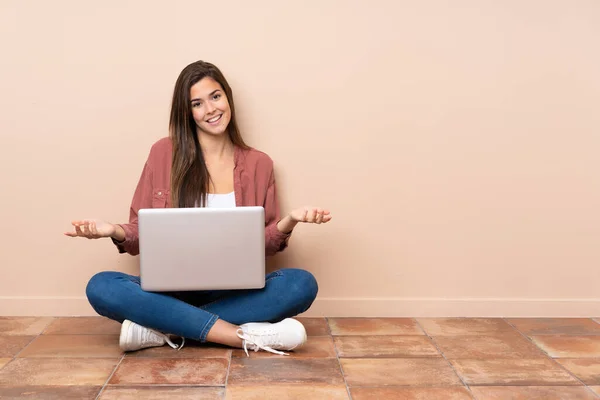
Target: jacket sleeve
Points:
(275, 241)
(142, 198)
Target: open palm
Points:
(91, 229)
(312, 215)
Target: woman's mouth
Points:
(214, 120)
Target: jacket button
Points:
(160, 193)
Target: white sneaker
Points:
(287, 335)
(135, 337)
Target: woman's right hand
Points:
(92, 229)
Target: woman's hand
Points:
(312, 215)
(92, 229)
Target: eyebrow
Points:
(211, 93)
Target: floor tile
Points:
(57, 371)
(463, 326)
(11, 345)
(315, 326)
(25, 326)
(50, 392)
(595, 389)
(512, 372)
(556, 326)
(385, 346)
(162, 392)
(398, 372)
(532, 393)
(188, 351)
(83, 326)
(506, 345)
(585, 369)
(4, 361)
(374, 326)
(450, 393)
(164, 371)
(315, 347)
(81, 346)
(569, 346)
(287, 392)
(253, 371)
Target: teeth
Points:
(215, 119)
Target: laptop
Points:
(185, 249)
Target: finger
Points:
(90, 231)
(93, 230)
(78, 231)
(86, 229)
(319, 217)
(317, 212)
(311, 215)
(326, 216)
(305, 217)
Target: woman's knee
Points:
(301, 285)
(100, 287)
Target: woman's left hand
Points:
(311, 215)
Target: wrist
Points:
(286, 224)
(118, 234)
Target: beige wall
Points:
(456, 143)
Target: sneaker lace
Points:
(260, 341)
(167, 339)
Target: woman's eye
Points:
(195, 104)
(216, 97)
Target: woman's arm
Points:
(119, 235)
(286, 224)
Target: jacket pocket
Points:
(160, 198)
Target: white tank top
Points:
(220, 200)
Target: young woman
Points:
(205, 163)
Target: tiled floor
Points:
(357, 358)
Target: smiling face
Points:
(210, 107)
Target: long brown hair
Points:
(189, 175)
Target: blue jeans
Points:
(119, 296)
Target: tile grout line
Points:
(550, 357)
(444, 356)
(47, 325)
(337, 357)
(228, 371)
(26, 346)
(13, 358)
(110, 376)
